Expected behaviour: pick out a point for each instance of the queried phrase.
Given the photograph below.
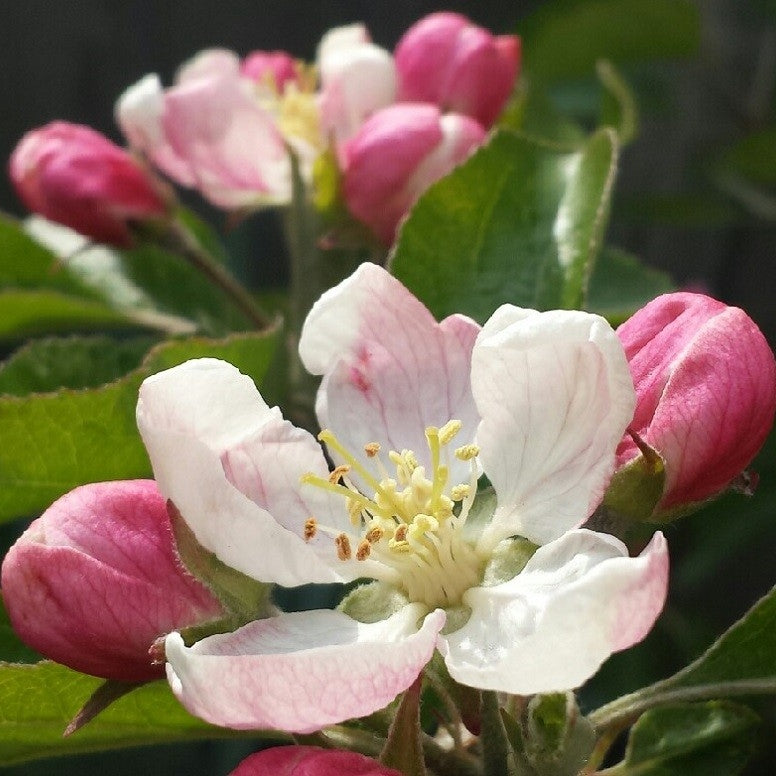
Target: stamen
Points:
(467, 452)
(374, 534)
(449, 430)
(343, 547)
(372, 449)
(341, 490)
(310, 528)
(363, 550)
(400, 534)
(333, 443)
(460, 492)
(338, 473)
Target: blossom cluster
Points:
(228, 126)
(499, 577)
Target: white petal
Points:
(555, 395)
(578, 600)
(232, 466)
(390, 370)
(299, 672)
(208, 63)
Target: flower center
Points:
(410, 529)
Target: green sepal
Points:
(245, 598)
(372, 602)
(403, 750)
(558, 739)
(633, 493)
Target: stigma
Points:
(407, 522)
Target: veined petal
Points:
(578, 600)
(233, 146)
(299, 672)
(232, 467)
(555, 396)
(390, 370)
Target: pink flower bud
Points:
(77, 177)
(96, 580)
(706, 392)
(273, 68)
(447, 60)
(396, 155)
(310, 761)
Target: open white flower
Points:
(413, 412)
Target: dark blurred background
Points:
(696, 197)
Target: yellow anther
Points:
(363, 550)
(467, 452)
(449, 430)
(399, 546)
(343, 547)
(422, 523)
(310, 528)
(338, 473)
(372, 449)
(355, 508)
(460, 492)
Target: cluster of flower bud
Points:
(396, 124)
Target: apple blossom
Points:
(536, 400)
(210, 131)
(95, 581)
(75, 176)
(396, 155)
(357, 79)
(705, 381)
(447, 60)
(310, 761)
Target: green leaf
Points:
(746, 651)
(566, 38)
(621, 284)
(11, 646)
(532, 112)
(521, 221)
(38, 701)
(56, 441)
(27, 264)
(72, 362)
(27, 313)
(403, 749)
(618, 109)
(691, 740)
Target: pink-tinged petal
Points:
(555, 396)
(357, 79)
(138, 113)
(96, 580)
(310, 761)
(232, 466)
(578, 600)
(207, 64)
(390, 370)
(235, 150)
(302, 671)
(705, 379)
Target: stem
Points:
(627, 709)
(179, 238)
(495, 747)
